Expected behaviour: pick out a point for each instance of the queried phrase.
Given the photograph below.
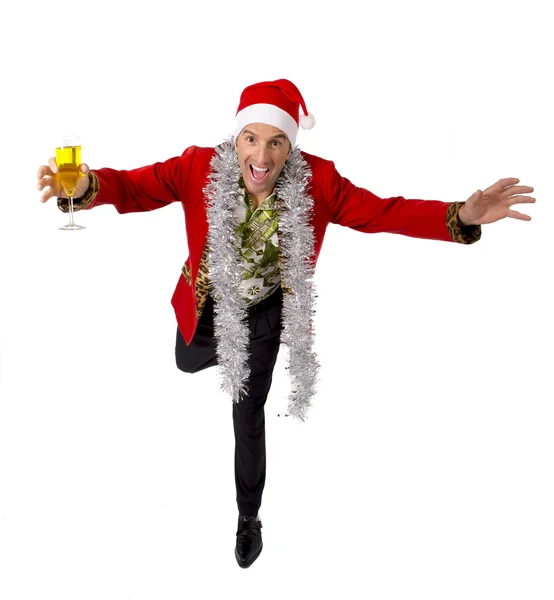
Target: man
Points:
(256, 210)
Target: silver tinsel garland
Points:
(296, 239)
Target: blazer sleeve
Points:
(137, 190)
(360, 209)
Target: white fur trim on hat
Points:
(270, 115)
(307, 121)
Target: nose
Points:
(261, 156)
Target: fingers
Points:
(507, 181)
(47, 194)
(522, 200)
(42, 171)
(507, 187)
(514, 214)
(46, 176)
(46, 180)
(51, 169)
(519, 189)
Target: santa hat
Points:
(274, 103)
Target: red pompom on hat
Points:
(274, 103)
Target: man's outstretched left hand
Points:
(495, 203)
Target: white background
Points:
(424, 469)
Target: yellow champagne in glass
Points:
(68, 161)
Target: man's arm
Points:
(360, 209)
(136, 190)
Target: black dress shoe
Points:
(249, 541)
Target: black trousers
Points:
(264, 320)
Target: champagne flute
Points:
(68, 160)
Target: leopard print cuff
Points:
(463, 234)
(86, 199)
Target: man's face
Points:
(265, 147)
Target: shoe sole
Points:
(245, 565)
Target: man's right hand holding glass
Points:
(47, 177)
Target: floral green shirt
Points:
(259, 248)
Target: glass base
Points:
(71, 227)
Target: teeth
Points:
(256, 168)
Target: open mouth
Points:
(258, 174)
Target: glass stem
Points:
(71, 210)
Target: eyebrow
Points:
(277, 135)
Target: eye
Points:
(249, 138)
(277, 142)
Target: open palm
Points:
(495, 202)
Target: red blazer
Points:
(336, 200)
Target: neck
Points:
(257, 199)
